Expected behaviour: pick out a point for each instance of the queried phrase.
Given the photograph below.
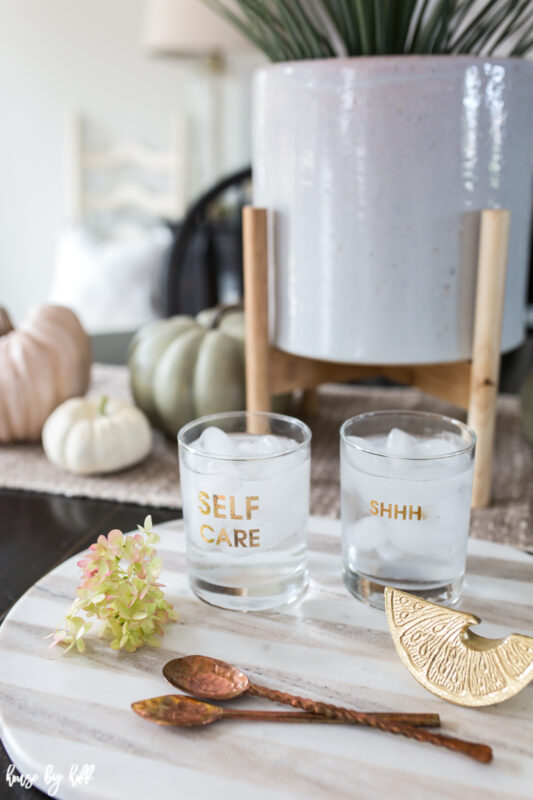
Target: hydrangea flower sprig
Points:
(121, 590)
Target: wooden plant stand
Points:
(471, 385)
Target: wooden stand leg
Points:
(485, 372)
(256, 310)
(270, 370)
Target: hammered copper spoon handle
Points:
(186, 712)
(476, 750)
(342, 713)
(385, 722)
(212, 679)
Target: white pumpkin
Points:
(93, 436)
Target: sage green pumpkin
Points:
(185, 367)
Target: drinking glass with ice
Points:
(245, 488)
(406, 487)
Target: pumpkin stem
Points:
(102, 406)
(222, 310)
(5, 322)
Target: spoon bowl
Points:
(206, 677)
(173, 709)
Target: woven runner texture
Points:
(156, 481)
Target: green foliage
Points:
(287, 30)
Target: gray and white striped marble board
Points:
(62, 710)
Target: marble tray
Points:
(57, 711)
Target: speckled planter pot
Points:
(374, 171)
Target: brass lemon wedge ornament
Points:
(447, 658)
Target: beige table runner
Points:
(156, 481)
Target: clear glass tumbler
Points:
(245, 489)
(406, 485)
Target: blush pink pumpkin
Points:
(42, 363)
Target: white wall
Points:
(58, 56)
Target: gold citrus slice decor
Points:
(447, 658)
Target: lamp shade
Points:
(188, 27)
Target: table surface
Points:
(39, 531)
(328, 647)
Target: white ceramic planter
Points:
(375, 170)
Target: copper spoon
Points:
(212, 679)
(186, 712)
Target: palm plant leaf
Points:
(363, 14)
(384, 18)
(441, 31)
(404, 20)
(314, 36)
(258, 35)
(343, 20)
(518, 20)
(296, 29)
(433, 29)
(484, 26)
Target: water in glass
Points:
(405, 513)
(246, 506)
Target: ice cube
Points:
(245, 446)
(262, 446)
(216, 442)
(367, 534)
(437, 446)
(388, 552)
(400, 443)
(270, 445)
